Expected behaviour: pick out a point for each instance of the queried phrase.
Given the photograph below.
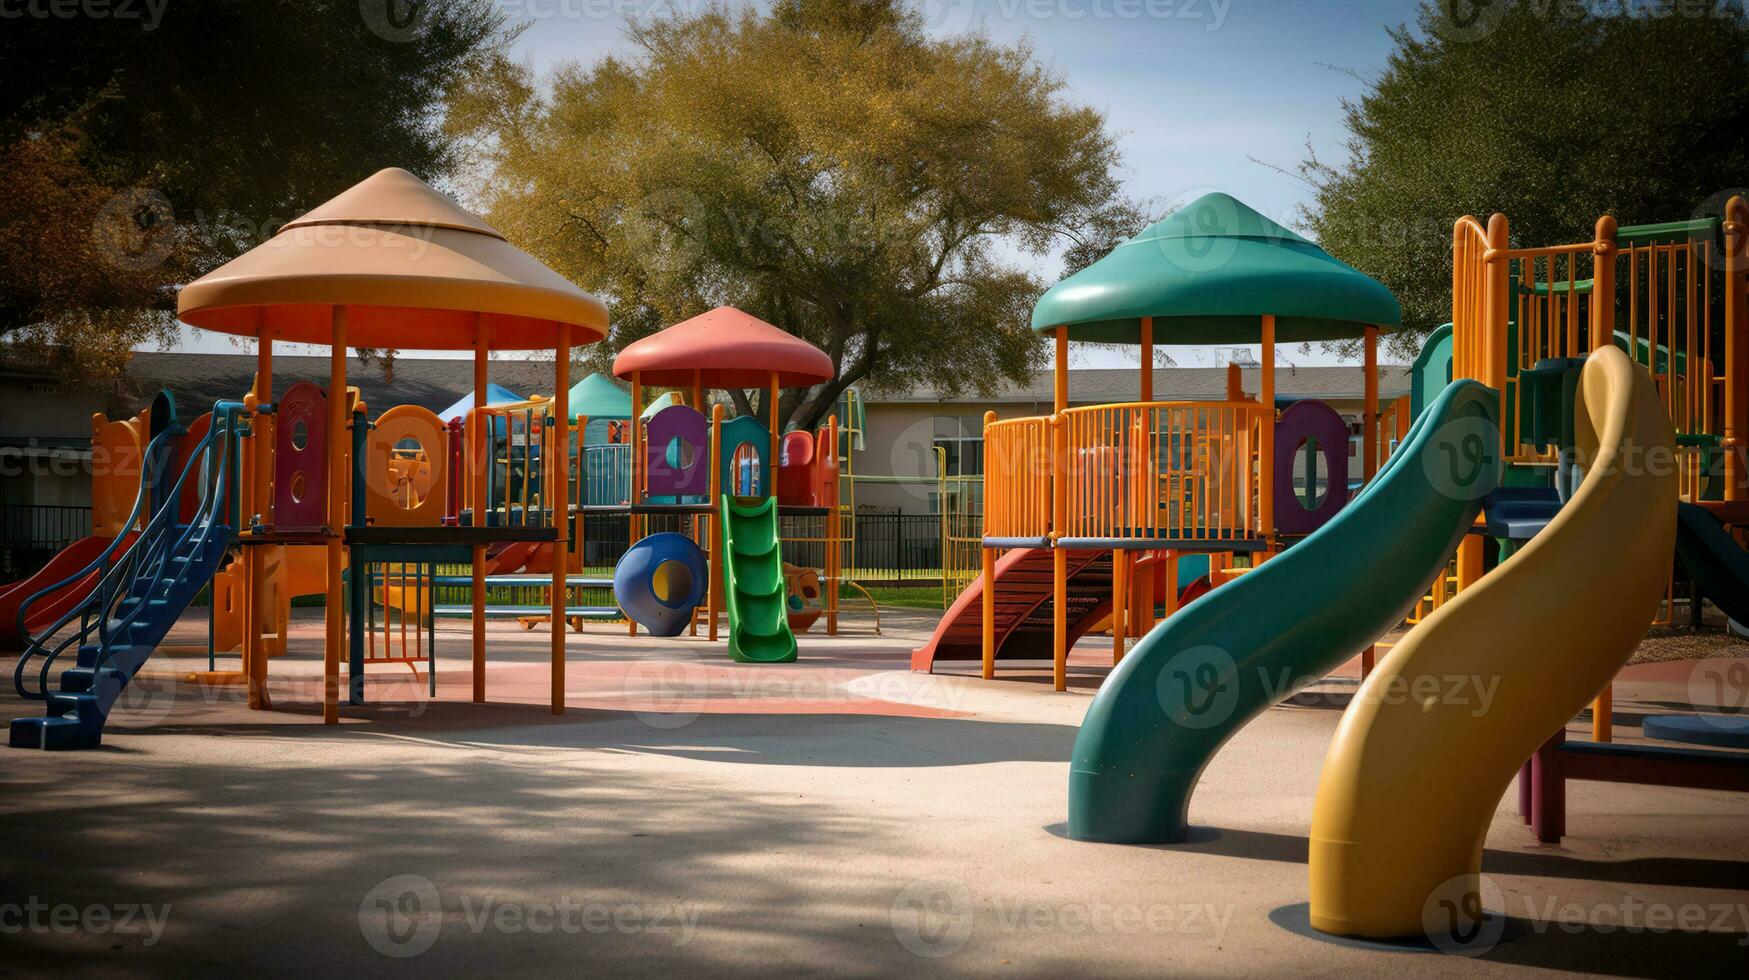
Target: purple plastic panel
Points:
(300, 459)
(677, 452)
(1302, 421)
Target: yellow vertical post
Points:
(714, 594)
(1369, 422)
(333, 615)
(1060, 519)
(480, 444)
(1266, 441)
(1490, 348)
(1602, 328)
(559, 478)
(1122, 562)
(1736, 347)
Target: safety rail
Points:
(1143, 471)
(1017, 477)
(148, 556)
(1661, 292)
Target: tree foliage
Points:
(141, 151)
(1551, 113)
(825, 166)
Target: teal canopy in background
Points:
(598, 397)
(495, 395)
(1207, 273)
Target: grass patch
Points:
(907, 596)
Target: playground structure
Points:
(338, 276)
(117, 450)
(299, 492)
(1543, 462)
(726, 482)
(1127, 492)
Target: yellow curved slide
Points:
(1435, 734)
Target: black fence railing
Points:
(896, 546)
(31, 534)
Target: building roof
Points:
(413, 269)
(1206, 274)
(1092, 386)
(198, 380)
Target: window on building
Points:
(961, 440)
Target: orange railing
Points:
(1660, 292)
(1183, 471)
(1017, 477)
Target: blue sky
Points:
(1203, 94)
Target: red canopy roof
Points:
(724, 348)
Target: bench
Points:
(1542, 783)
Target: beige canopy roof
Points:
(415, 271)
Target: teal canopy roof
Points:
(1207, 273)
(496, 394)
(598, 397)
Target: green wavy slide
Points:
(1206, 671)
(753, 583)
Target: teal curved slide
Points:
(1713, 559)
(1205, 672)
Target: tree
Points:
(146, 149)
(1547, 112)
(825, 166)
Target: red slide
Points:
(74, 557)
(1023, 607)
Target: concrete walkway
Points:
(838, 816)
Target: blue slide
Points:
(142, 589)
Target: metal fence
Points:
(896, 547)
(31, 534)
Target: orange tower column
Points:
(1369, 421)
(255, 610)
(1060, 520)
(1736, 347)
(480, 444)
(333, 615)
(559, 500)
(1266, 440)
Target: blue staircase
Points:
(143, 588)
